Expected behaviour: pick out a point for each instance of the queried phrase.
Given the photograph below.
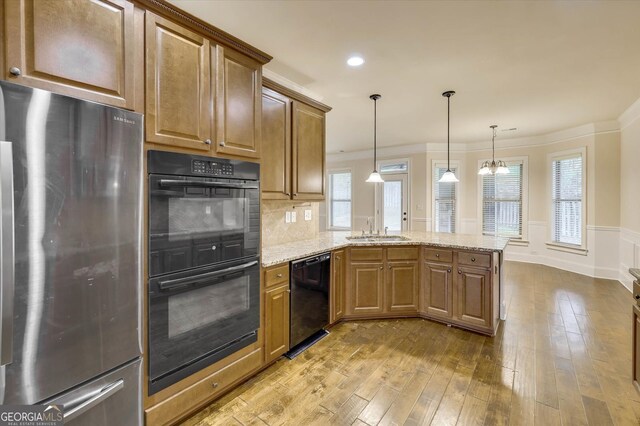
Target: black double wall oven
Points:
(204, 264)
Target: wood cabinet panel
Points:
(438, 255)
(480, 260)
(276, 144)
(85, 49)
(276, 322)
(178, 95)
(238, 104)
(636, 346)
(474, 296)
(403, 253)
(365, 254)
(203, 391)
(337, 287)
(308, 150)
(366, 288)
(438, 290)
(276, 275)
(401, 287)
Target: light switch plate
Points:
(307, 215)
(287, 217)
(293, 216)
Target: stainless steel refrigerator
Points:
(71, 203)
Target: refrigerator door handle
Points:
(94, 400)
(7, 253)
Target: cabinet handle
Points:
(473, 259)
(15, 71)
(214, 385)
(222, 143)
(289, 291)
(207, 141)
(278, 275)
(288, 194)
(459, 271)
(389, 266)
(381, 268)
(638, 297)
(449, 270)
(437, 254)
(295, 195)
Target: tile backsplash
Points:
(276, 231)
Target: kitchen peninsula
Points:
(451, 278)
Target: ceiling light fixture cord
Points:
(448, 125)
(375, 131)
(493, 144)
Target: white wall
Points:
(604, 200)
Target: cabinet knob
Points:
(637, 296)
(214, 385)
(213, 247)
(437, 254)
(381, 268)
(473, 259)
(289, 291)
(295, 195)
(459, 271)
(15, 71)
(288, 194)
(449, 270)
(389, 266)
(207, 141)
(222, 143)
(279, 275)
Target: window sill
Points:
(519, 242)
(567, 248)
(338, 229)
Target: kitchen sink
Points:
(373, 238)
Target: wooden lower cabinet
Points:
(276, 338)
(366, 288)
(203, 391)
(438, 290)
(337, 287)
(473, 297)
(636, 346)
(402, 287)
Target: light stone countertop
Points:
(635, 273)
(332, 240)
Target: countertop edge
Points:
(635, 272)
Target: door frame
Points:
(378, 194)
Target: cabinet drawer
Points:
(474, 259)
(276, 275)
(403, 253)
(172, 409)
(438, 255)
(366, 254)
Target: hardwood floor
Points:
(563, 356)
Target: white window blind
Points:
(502, 203)
(567, 200)
(340, 200)
(444, 202)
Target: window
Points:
(444, 201)
(394, 167)
(502, 202)
(340, 200)
(567, 183)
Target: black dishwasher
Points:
(309, 301)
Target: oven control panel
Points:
(212, 168)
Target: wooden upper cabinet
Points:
(308, 139)
(276, 146)
(178, 96)
(238, 104)
(79, 48)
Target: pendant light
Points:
(493, 168)
(375, 176)
(448, 176)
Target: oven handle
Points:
(196, 183)
(180, 282)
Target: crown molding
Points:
(630, 115)
(585, 130)
(290, 84)
(293, 93)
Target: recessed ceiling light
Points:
(355, 61)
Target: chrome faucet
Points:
(370, 223)
(386, 230)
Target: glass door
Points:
(393, 211)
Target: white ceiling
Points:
(540, 66)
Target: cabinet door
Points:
(474, 296)
(84, 49)
(308, 165)
(276, 144)
(337, 286)
(178, 102)
(366, 288)
(238, 104)
(401, 287)
(277, 322)
(438, 290)
(636, 346)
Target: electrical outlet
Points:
(293, 216)
(307, 215)
(287, 217)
